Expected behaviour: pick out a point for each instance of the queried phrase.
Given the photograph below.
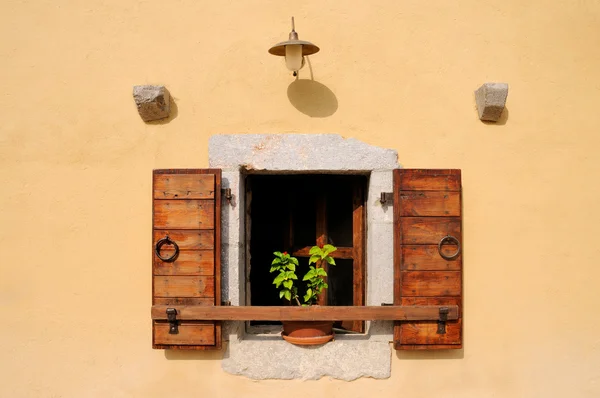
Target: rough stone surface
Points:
(344, 359)
(268, 357)
(491, 99)
(153, 102)
(288, 152)
(380, 251)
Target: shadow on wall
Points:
(442, 354)
(191, 355)
(312, 98)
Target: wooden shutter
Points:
(187, 209)
(427, 208)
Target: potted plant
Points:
(304, 332)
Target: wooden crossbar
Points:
(313, 313)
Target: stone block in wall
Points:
(491, 100)
(153, 102)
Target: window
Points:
(294, 212)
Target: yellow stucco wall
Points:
(76, 161)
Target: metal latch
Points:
(442, 321)
(172, 317)
(386, 198)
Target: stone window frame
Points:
(267, 356)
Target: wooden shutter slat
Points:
(190, 333)
(430, 203)
(427, 258)
(428, 230)
(425, 332)
(184, 214)
(431, 283)
(188, 239)
(184, 286)
(187, 209)
(190, 262)
(427, 208)
(184, 186)
(429, 180)
(175, 301)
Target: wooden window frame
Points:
(356, 253)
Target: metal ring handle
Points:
(166, 241)
(449, 238)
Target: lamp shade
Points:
(293, 57)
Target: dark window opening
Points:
(294, 212)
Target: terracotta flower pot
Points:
(307, 332)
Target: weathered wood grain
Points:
(430, 209)
(187, 207)
(184, 214)
(189, 262)
(428, 230)
(431, 283)
(313, 313)
(184, 286)
(429, 203)
(321, 238)
(341, 252)
(427, 258)
(187, 239)
(428, 301)
(196, 333)
(358, 255)
(398, 241)
(177, 301)
(425, 332)
(429, 180)
(184, 186)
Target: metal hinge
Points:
(226, 193)
(387, 198)
(172, 317)
(442, 321)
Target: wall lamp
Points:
(294, 50)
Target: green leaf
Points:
(330, 260)
(291, 266)
(314, 250)
(309, 275)
(314, 258)
(288, 295)
(288, 284)
(277, 254)
(281, 293)
(321, 272)
(328, 249)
